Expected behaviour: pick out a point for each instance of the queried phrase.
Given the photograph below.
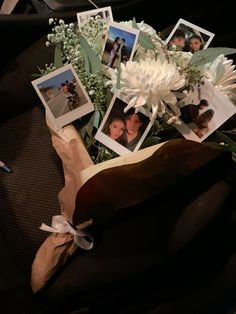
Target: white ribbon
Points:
(61, 225)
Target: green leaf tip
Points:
(209, 54)
(91, 60)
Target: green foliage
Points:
(118, 71)
(210, 54)
(91, 60)
(82, 49)
(227, 144)
(228, 148)
(58, 56)
(153, 140)
(143, 39)
(225, 138)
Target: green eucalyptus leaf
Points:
(231, 148)
(118, 71)
(109, 97)
(40, 70)
(89, 126)
(210, 54)
(57, 56)
(91, 60)
(143, 39)
(153, 140)
(96, 121)
(36, 75)
(225, 138)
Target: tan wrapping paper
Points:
(52, 254)
(78, 168)
(57, 248)
(70, 147)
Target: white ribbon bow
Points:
(61, 225)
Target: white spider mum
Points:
(222, 74)
(150, 83)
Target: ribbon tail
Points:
(81, 241)
(47, 228)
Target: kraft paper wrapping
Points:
(78, 167)
(53, 253)
(70, 147)
(57, 248)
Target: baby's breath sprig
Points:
(67, 36)
(94, 30)
(48, 68)
(194, 77)
(96, 86)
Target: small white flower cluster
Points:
(66, 36)
(95, 31)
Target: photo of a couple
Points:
(117, 46)
(196, 117)
(126, 129)
(120, 41)
(203, 111)
(186, 36)
(63, 95)
(123, 131)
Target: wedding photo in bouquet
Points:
(180, 82)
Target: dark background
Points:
(29, 20)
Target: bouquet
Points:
(111, 79)
(125, 87)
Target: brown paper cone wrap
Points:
(152, 170)
(53, 253)
(70, 147)
(57, 248)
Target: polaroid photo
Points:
(105, 13)
(63, 96)
(121, 40)
(189, 37)
(201, 116)
(123, 132)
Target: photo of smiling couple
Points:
(127, 129)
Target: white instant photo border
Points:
(113, 144)
(222, 108)
(116, 30)
(105, 13)
(56, 102)
(195, 31)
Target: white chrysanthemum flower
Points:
(222, 74)
(150, 83)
